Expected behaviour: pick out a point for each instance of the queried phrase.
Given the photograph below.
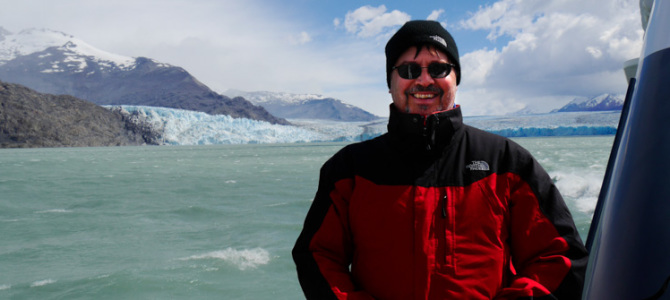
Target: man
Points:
(435, 209)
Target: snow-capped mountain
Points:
(57, 63)
(305, 106)
(35, 40)
(604, 102)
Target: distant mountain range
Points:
(605, 102)
(56, 63)
(305, 106)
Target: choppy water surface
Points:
(190, 222)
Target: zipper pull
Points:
(444, 207)
(425, 135)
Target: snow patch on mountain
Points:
(264, 97)
(305, 106)
(35, 40)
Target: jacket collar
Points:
(432, 132)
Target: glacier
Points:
(184, 127)
(549, 124)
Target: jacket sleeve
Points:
(548, 256)
(323, 251)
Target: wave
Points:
(42, 282)
(243, 259)
(580, 188)
(52, 211)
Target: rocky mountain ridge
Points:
(31, 119)
(305, 106)
(56, 63)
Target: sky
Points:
(514, 54)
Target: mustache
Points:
(430, 88)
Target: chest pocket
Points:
(480, 212)
(476, 230)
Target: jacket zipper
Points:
(444, 207)
(444, 235)
(430, 125)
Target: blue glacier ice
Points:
(549, 124)
(183, 127)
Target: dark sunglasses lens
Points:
(409, 71)
(438, 70)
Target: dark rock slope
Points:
(32, 119)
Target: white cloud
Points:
(434, 15)
(478, 64)
(594, 51)
(505, 17)
(300, 39)
(368, 21)
(555, 50)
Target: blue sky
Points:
(515, 54)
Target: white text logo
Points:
(478, 165)
(439, 39)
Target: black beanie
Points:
(421, 32)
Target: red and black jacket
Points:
(435, 209)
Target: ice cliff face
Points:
(182, 127)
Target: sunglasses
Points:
(413, 70)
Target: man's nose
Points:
(424, 78)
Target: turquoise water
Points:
(190, 222)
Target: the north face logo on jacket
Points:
(478, 165)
